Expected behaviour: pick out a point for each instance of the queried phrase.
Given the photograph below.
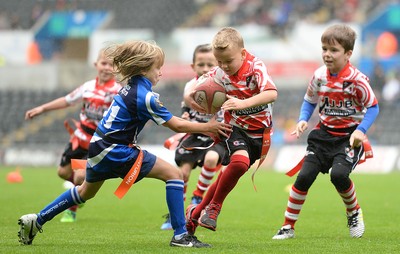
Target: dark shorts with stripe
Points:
(196, 156)
(325, 150)
(68, 154)
(239, 140)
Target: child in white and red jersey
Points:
(210, 160)
(250, 96)
(347, 108)
(96, 96)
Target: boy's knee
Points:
(340, 177)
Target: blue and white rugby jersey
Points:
(134, 105)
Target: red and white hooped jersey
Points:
(251, 79)
(342, 99)
(95, 100)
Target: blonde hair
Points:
(227, 37)
(132, 58)
(343, 34)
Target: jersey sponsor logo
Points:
(93, 111)
(249, 111)
(339, 112)
(333, 107)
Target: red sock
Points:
(349, 198)
(73, 208)
(294, 205)
(237, 167)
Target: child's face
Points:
(154, 74)
(204, 61)
(104, 69)
(230, 59)
(334, 57)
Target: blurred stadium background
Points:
(47, 48)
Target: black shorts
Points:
(68, 154)
(239, 140)
(325, 150)
(196, 156)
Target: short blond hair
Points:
(227, 37)
(132, 58)
(341, 33)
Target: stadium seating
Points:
(162, 17)
(48, 129)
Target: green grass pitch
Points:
(246, 224)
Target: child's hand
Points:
(356, 138)
(33, 112)
(300, 128)
(218, 128)
(185, 116)
(233, 103)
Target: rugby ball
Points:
(209, 94)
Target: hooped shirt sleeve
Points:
(76, 96)
(311, 95)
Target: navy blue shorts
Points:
(119, 171)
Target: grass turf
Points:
(247, 222)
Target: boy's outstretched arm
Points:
(213, 126)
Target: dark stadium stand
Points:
(162, 17)
(48, 129)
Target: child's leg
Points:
(209, 169)
(207, 199)
(237, 167)
(299, 190)
(67, 199)
(205, 179)
(174, 190)
(344, 186)
(174, 193)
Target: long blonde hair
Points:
(133, 58)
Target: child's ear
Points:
(349, 53)
(243, 53)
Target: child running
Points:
(250, 96)
(187, 157)
(347, 108)
(95, 96)
(113, 151)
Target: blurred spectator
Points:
(36, 13)
(377, 80)
(391, 89)
(4, 22)
(15, 22)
